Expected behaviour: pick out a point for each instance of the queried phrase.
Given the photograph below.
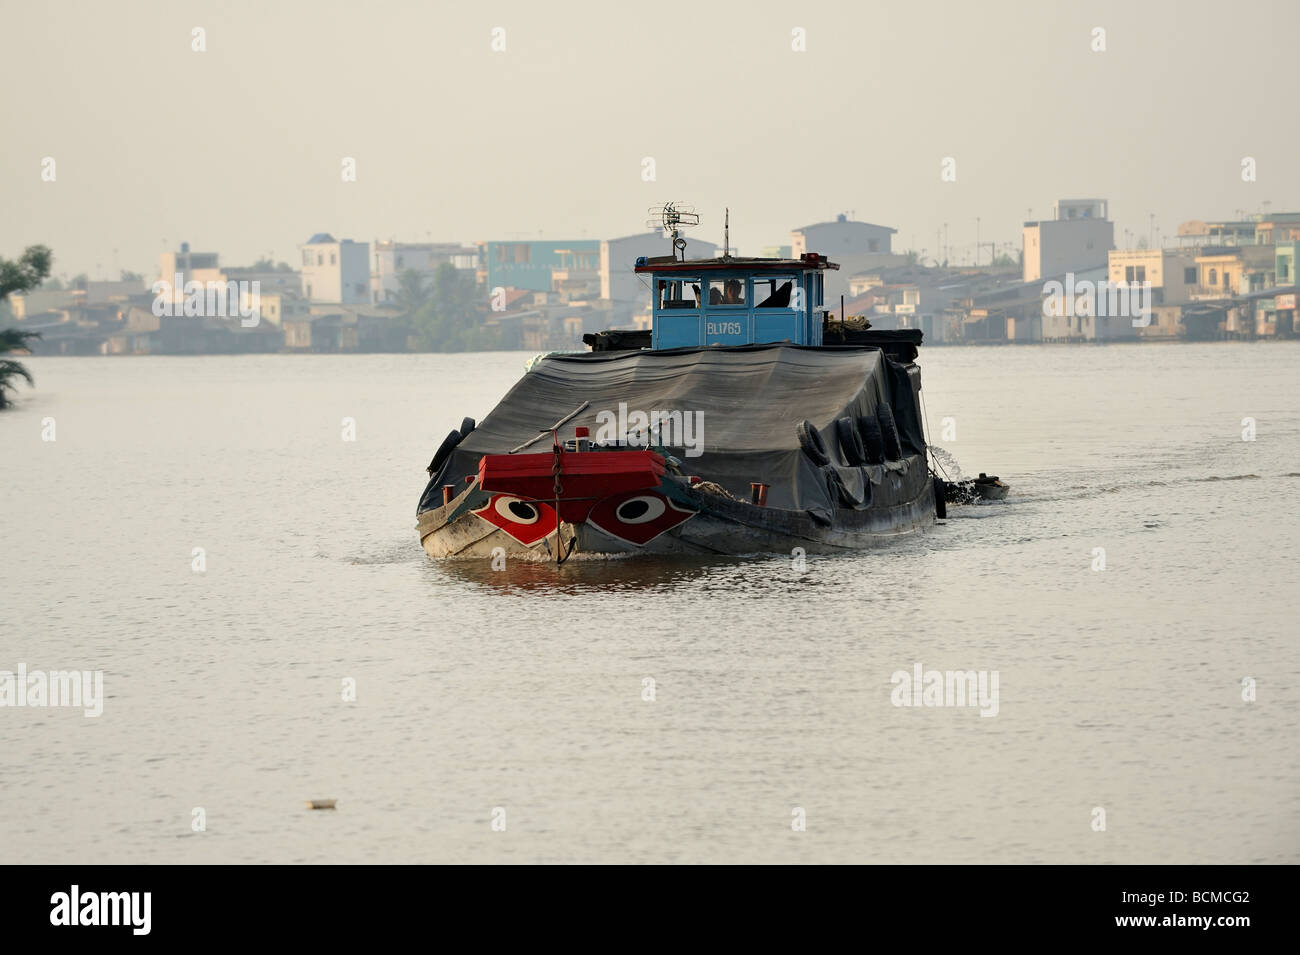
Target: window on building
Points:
(320, 258)
(678, 293)
(1189, 276)
(873, 245)
(1283, 269)
(306, 257)
(1214, 276)
(333, 259)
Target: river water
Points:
(520, 696)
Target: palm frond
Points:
(15, 339)
(14, 369)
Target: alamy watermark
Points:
(129, 909)
(923, 687)
(668, 429)
(208, 300)
(75, 688)
(1104, 299)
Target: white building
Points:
(337, 272)
(840, 238)
(1079, 311)
(392, 258)
(618, 280)
(191, 266)
(1079, 238)
(1172, 272)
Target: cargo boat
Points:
(746, 420)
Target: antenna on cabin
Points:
(726, 235)
(672, 217)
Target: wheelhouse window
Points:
(727, 291)
(775, 291)
(677, 293)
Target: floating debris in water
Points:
(321, 803)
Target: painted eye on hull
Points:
(517, 511)
(526, 521)
(640, 510)
(637, 517)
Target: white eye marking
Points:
(517, 511)
(640, 510)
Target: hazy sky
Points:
(238, 149)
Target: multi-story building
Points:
(178, 269)
(1260, 229)
(618, 280)
(541, 265)
(335, 272)
(424, 258)
(1278, 228)
(1172, 272)
(853, 246)
(191, 266)
(1077, 239)
(840, 238)
(1227, 271)
(1219, 233)
(1286, 257)
(1081, 314)
(276, 307)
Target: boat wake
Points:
(947, 463)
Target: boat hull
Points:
(710, 523)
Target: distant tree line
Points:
(443, 312)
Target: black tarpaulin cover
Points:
(750, 399)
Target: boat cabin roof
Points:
(667, 264)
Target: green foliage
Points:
(11, 339)
(413, 293)
(27, 272)
(445, 318)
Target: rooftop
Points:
(842, 220)
(668, 263)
